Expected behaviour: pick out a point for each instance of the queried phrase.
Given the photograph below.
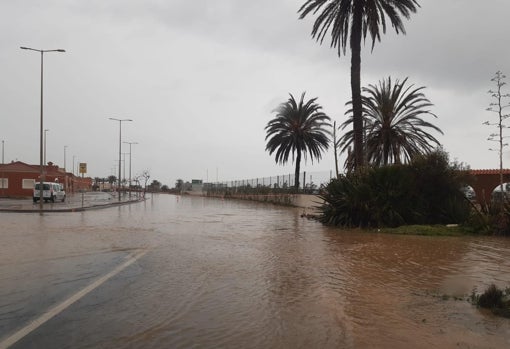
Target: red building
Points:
(17, 179)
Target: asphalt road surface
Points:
(192, 272)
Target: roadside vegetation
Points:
(349, 22)
(428, 230)
(427, 191)
(299, 129)
(493, 298)
(424, 197)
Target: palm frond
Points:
(395, 129)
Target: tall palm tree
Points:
(395, 129)
(353, 19)
(298, 129)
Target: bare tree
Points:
(145, 176)
(498, 107)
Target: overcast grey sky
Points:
(200, 80)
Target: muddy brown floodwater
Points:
(236, 274)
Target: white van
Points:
(51, 191)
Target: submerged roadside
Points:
(73, 203)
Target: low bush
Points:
(426, 191)
(493, 298)
(491, 219)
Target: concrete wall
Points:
(306, 201)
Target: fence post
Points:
(304, 179)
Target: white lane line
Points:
(62, 306)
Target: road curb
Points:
(73, 209)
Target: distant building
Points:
(17, 179)
(196, 185)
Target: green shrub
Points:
(491, 219)
(491, 298)
(427, 191)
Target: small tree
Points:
(155, 186)
(96, 186)
(145, 176)
(498, 107)
(112, 179)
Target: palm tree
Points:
(395, 130)
(352, 19)
(298, 129)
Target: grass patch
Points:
(427, 230)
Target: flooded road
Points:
(209, 273)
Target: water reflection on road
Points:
(237, 274)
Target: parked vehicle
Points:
(52, 191)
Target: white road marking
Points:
(65, 304)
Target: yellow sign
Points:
(83, 167)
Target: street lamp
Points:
(45, 130)
(120, 144)
(41, 163)
(124, 169)
(130, 143)
(65, 147)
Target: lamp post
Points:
(124, 169)
(65, 147)
(45, 136)
(120, 145)
(3, 151)
(130, 143)
(65, 171)
(41, 163)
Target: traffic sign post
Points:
(83, 170)
(83, 167)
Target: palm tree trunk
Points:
(357, 123)
(335, 145)
(296, 173)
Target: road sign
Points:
(83, 167)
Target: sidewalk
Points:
(73, 203)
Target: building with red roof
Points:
(17, 179)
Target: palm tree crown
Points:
(395, 130)
(298, 129)
(352, 20)
(338, 16)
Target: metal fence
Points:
(309, 182)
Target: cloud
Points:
(201, 78)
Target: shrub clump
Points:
(491, 298)
(495, 299)
(426, 191)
